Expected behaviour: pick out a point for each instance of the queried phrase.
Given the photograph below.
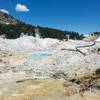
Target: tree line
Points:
(14, 31)
(95, 34)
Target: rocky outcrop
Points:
(7, 19)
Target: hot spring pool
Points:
(37, 54)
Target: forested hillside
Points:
(12, 28)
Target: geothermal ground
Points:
(49, 69)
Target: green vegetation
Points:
(95, 34)
(14, 31)
(59, 34)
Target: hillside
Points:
(8, 19)
(12, 29)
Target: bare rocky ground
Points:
(63, 74)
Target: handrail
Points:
(77, 48)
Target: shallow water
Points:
(36, 54)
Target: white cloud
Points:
(4, 10)
(21, 8)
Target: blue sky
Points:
(78, 15)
